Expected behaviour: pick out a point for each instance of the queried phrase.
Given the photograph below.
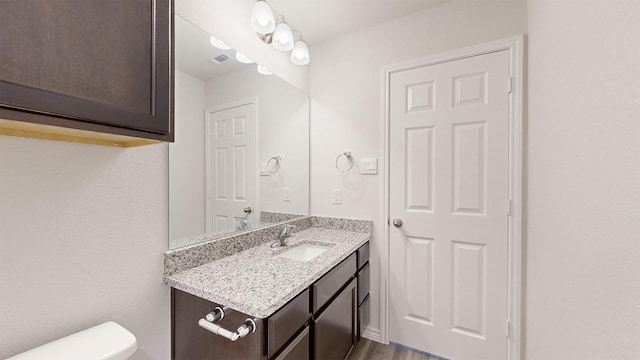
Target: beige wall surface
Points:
(583, 180)
(82, 232)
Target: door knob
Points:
(248, 210)
(397, 222)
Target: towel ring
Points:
(276, 161)
(349, 157)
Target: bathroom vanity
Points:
(315, 308)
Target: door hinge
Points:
(508, 330)
(509, 207)
(509, 84)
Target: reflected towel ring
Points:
(275, 160)
(349, 158)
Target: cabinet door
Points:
(94, 65)
(335, 328)
(286, 322)
(298, 349)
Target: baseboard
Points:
(372, 334)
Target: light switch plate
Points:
(369, 166)
(287, 194)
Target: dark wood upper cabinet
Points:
(93, 65)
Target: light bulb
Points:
(283, 37)
(300, 53)
(262, 20)
(243, 58)
(263, 70)
(218, 43)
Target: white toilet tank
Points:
(108, 341)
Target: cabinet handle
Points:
(216, 315)
(248, 327)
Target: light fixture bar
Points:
(277, 33)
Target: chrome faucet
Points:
(243, 225)
(284, 234)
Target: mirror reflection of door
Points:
(230, 167)
(209, 79)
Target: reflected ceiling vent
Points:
(219, 59)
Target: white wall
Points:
(229, 21)
(346, 98)
(186, 158)
(82, 232)
(283, 128)
(583, 212)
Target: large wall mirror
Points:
(240, 160)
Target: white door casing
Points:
(469, 196)
(230, 165)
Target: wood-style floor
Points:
(371, 350)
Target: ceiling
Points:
(194, 53)
(320, 20)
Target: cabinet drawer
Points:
(363, 316)
(287, 321)
(325, 288)
(363, 283)
(363, 255)
(298, 349)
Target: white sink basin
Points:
(304, 252)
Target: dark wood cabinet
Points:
(319, 323)
(299, 349)
(97, 66)
(364, 280)
(286, 322)
(191, 342)
(335, 328)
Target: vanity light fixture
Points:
(278, 33)
(263, 70)
(282, 37)
(262, 19)
(218, 43)
(243, 58)
(300, 52)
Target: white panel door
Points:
(231, 168)
(449, 186)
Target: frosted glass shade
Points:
(218, 43)
(243, 58)
(263, 70)
(262, 20)
(283, 37)
(300, 53)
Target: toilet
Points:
(107, 341)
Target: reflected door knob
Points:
(248, 210)
(397, 222)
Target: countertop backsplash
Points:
(188, 257)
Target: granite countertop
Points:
(257, 282)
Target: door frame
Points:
(207, 175)
(515, 47)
